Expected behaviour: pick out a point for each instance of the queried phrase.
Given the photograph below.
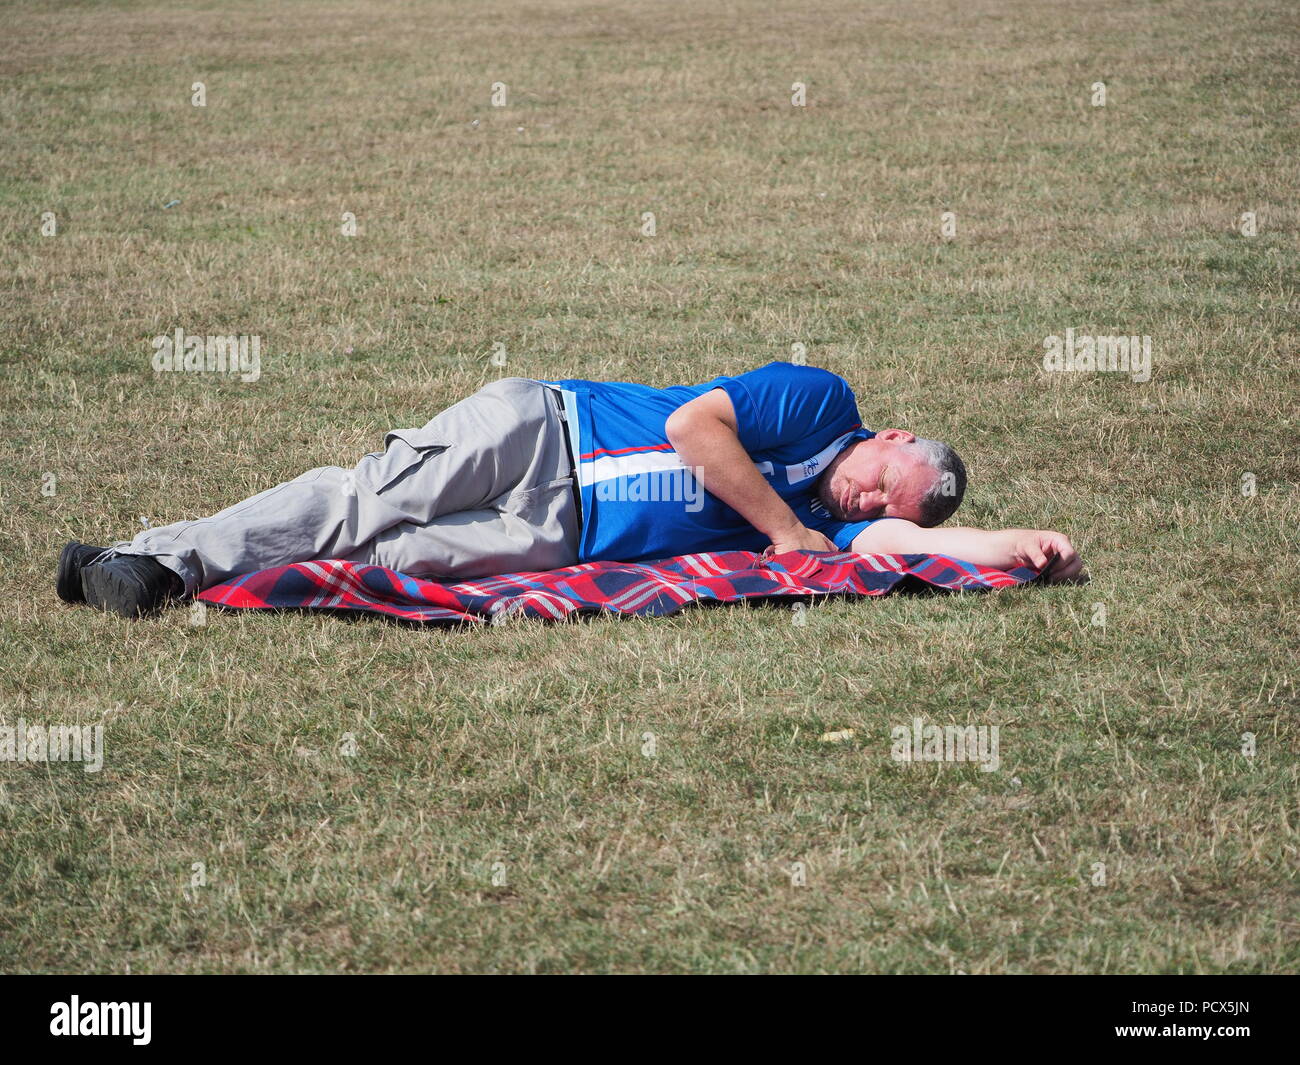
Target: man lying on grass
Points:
(774, 458)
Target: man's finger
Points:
(1060, 543)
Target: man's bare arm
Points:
(705, 436)
(1002, 548)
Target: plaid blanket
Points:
(650, 589)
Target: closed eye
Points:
(882, 510)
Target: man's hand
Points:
(800, 538)
(1037, 547)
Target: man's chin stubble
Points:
(827, 497)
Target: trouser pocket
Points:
(524, 501)
(548, 512)
(405, 451)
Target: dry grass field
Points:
(292, 793)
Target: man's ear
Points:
(901, 436)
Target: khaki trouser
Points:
(483, 488)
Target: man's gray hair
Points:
(944, 496)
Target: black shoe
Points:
(76, 556)
(130, 585)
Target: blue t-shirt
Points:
(639, 502)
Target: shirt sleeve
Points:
(780, 404)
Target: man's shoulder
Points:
(789, 383)
(796, 370)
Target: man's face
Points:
(877, 478)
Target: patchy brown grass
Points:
(500, 814)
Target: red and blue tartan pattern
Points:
(644, 589)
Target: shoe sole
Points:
(68, 581)
(107, 590)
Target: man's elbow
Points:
(675, 426)
(685, 426)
